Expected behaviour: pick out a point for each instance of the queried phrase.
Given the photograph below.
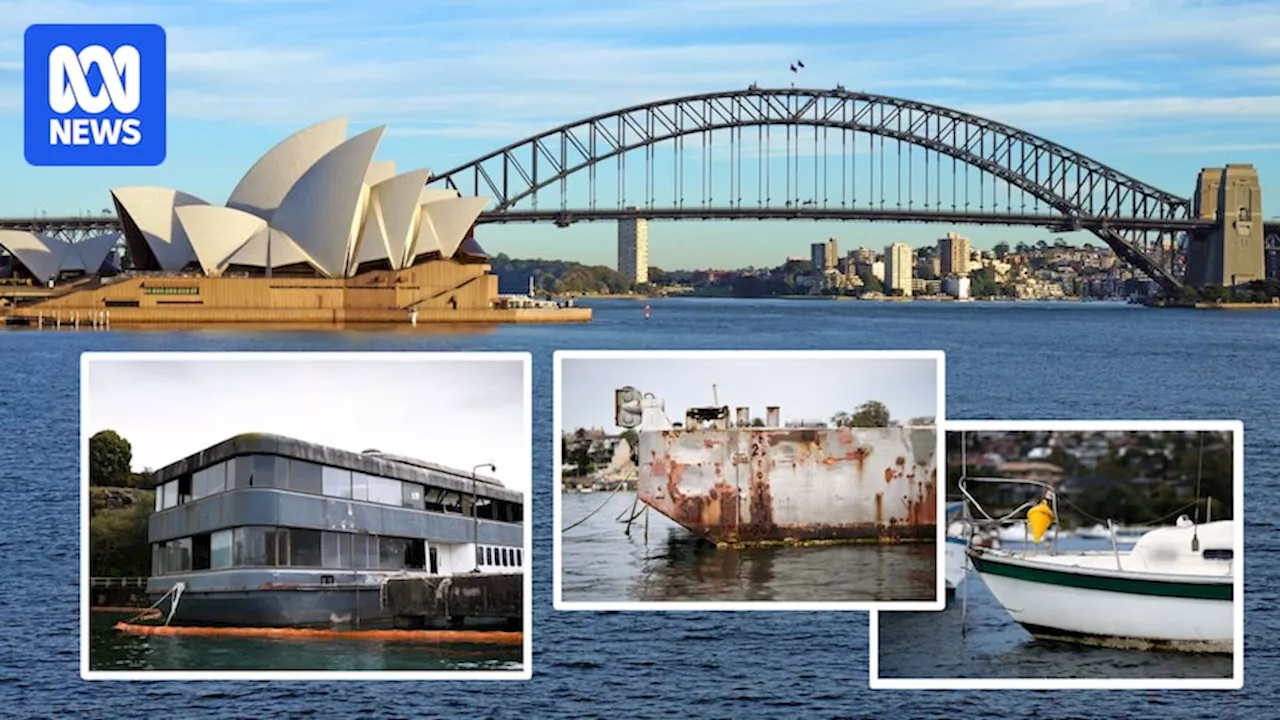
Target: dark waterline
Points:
(601, 563)
(1033, 361)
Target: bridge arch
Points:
(1074, 185)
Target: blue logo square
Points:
(94, 95)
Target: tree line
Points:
(119, 505)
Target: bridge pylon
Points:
(1233, 251)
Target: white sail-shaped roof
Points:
(429, 195)
(151, 209)
(41, 255)
(380, 171)
(269, 246)
(445, 223)
(287, 251)
(389, 218)
(253, 253)
(217, 232)
(261, 191)
(320, 212)
(93, 251)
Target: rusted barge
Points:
(736, 484)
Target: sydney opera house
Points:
(315, 231)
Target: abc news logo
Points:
(94, 95)
(69, 89)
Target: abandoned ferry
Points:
(737, 484)
(267, 531)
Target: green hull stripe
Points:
(1195, 591)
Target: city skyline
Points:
(235, 86)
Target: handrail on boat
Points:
(1050, 494)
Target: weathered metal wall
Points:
(744, 485)
(494, 596)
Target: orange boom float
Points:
(460, 637)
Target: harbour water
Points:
(604, 564)
(1031, 361)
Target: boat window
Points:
(304, 548)
(239, 471)
(384, 491)
(451, 502)
(209, 481)
(254, 547)
(479, 556)
(488, 556)
(1218, 554)
(336, 549)
(200, 551)
(180, 555)
(416, 554)
(305, 477)
(364, 552)
(360, 486)
(519, 558)
(336, 482)
(269, 471)
(413, 496)
(169, 491)
(220, 549)
(393, 553)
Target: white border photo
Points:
(347, 400)
(1234, 682)
(876, 359)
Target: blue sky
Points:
(1155, 88)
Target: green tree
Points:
(871, 283)
(872, 413)
(757, 422)
(110, 460)
(118, 544)
(580, 456)
(1001, 249)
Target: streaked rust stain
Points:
(721, 485)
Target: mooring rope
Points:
(621, 484)
(155, 605)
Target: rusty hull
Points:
(753, 486)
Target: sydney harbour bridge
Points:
(798, 154)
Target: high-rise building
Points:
(953, 252)
(633, 249)
(898, 266)
(824, 256)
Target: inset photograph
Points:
(746, 480)
(305, 516)
(1082, 555)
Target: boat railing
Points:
(117, 582)
(987, 520)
